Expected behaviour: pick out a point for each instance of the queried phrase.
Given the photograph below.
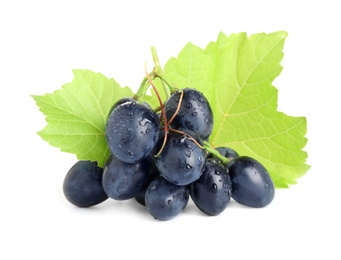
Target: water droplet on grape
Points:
(189, 105)
(153, 187)
(214, 187)
(188, 166)
(194, 114)
(217, 172)
(144, 122)
(169, 202)
(183, 139)
(188, 153)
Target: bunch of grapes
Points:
(163, 158)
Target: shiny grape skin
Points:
(251, 183)
(195, 113)
(82, 184)
(181, 160)
(165, 200)
(132, 131)
(212, 192)
(122, 181)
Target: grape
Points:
(82, 185)
(132, 131)
(122, 181)
(165, 200)
(181, 160)
(251, 183)
(212, 192)
(195, 113)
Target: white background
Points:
(42, 41)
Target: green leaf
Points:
(77, 114)
(235, 73)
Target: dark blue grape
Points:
(212, 192)
(165, 200)
(195, 113)
(82, 185)
(181, 161)
(122, 181)
(251, 183)
(132, 131)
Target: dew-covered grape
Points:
(195, 113)
(122, 181)
(181, 160)
(132, 131)
(212, 192)
(251, 183)
(165, 200)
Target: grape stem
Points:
(189, 136)
(170, 88)
(162, 111)
(157, 72)
(177, 109)
(144, 86)
(209, 148)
